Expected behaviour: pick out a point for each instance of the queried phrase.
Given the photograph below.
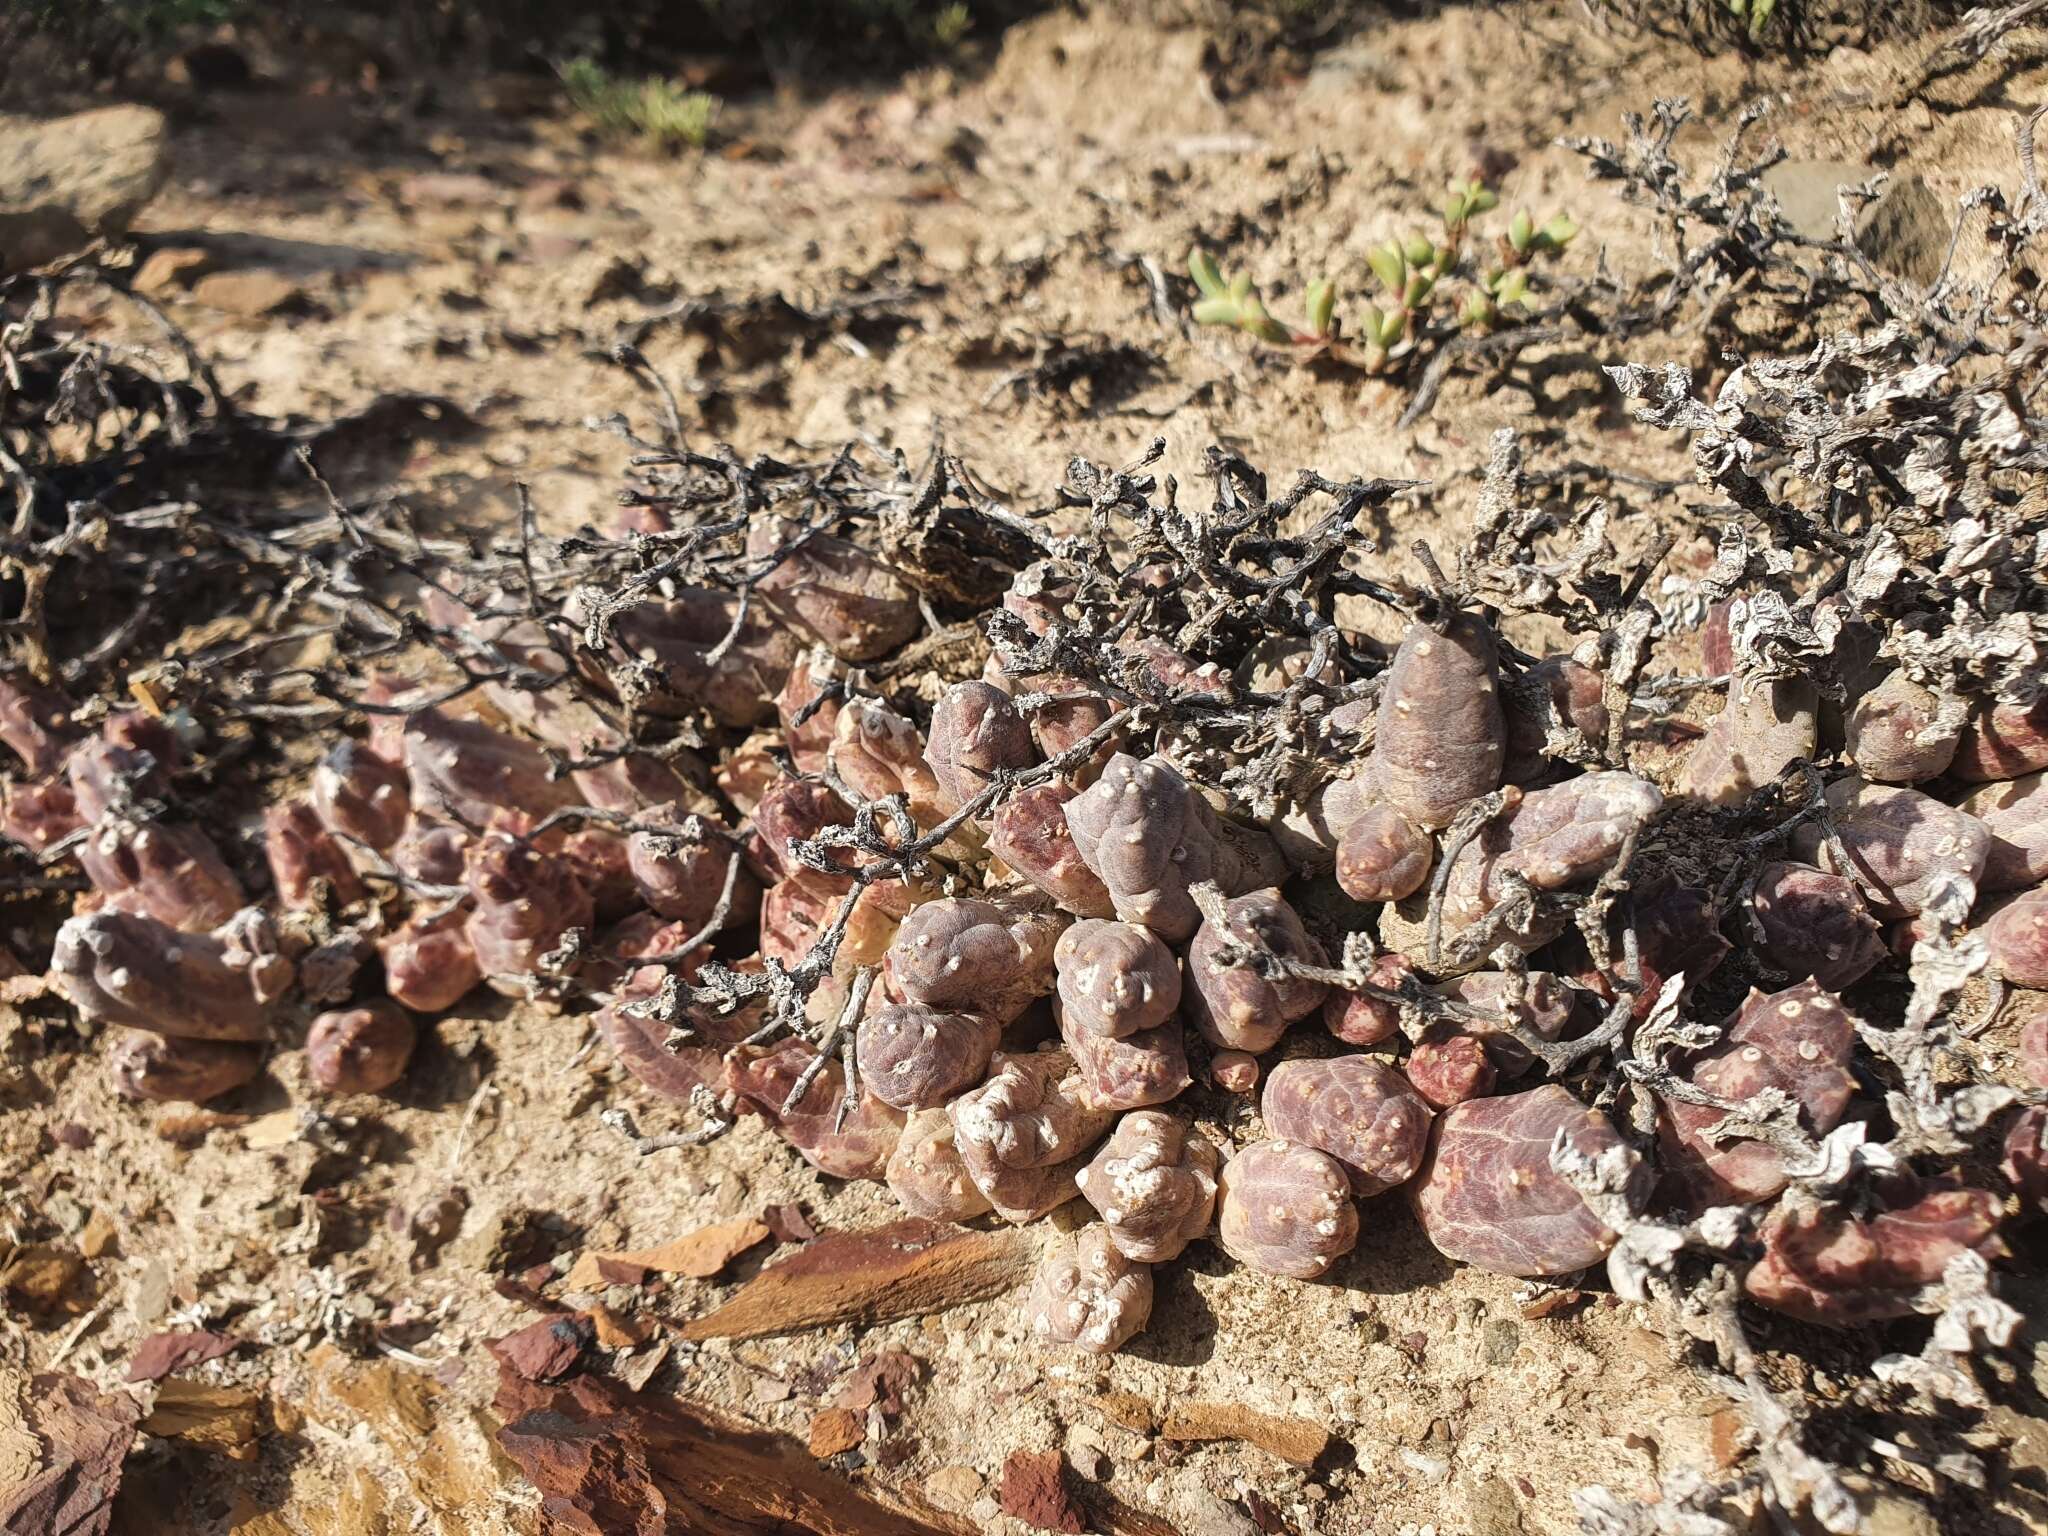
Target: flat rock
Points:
(69, 180)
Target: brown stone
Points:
(1035, 1491)
(42, 1277)
(547, 1350)
(1297, 1441)
(69, 179)
(250, 293)
(174, 269)
(906, 1269)
(835, 1430)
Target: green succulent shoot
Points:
(1420, 250)
(1322, 306)
(1231, 303)
(1390, 265)
(1464, 199)
(1528, 238)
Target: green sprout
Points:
(656, 111)
(1233, 303)
(1417, 277)
(1755, 15)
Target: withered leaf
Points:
(700, 1254)
(165, 1354)
(905, 1269)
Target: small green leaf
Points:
(1388, 265)
(1217, 311)
(1483, 199)
(1521, 230)
(1477, 312)
(1240, 287)
(1455, 211)
(1420, 251)
(1420, 286)
(1202, 268)
(1512, 287)
(1558, 233)
(1322, 303)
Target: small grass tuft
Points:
(658, 112)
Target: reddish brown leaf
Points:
(906, 1269)
(883, 1377)
(166, 1354)
(789, 1223)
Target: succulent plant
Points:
(121, 968)
(1442, 737)
(1031, 836)
(2016, 933)
(1024, 1132)
(925, 1172)
(1815, 924)
(360, 1050)
(2004, 741)
(1822, 1264)
(1129, 1071)
(1798, 1042)
(2015, 812)
(40, 814)
(165, 1069)
(1358, 1110)
(797, 810)
(813, 686)
(1557, 692)
(1357, 1019)
(432, 852)
(641, 1043)
(111, 773)
(467, 772)
(1764, 728)
(877, 753)
(37, 723)
(1899, 733)
(1449, 1067)
(2025, 1160)
(1235, 1006)
(304, 859)
(1234, 1071)
(525, 902)
(918, 1057)
(1537, 1000)
(839, 593)
(1383, 856)
(359, 794)
(681, 876)
(1153, 1183)
(1088, 1293)
(429, 962)
(170, 871)
(1285, 1209)
(1115, 979)
(676, 640)
(1899, 841)
(976, 733)
(856, 1148)
(966, 954)
(1487, 1195)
